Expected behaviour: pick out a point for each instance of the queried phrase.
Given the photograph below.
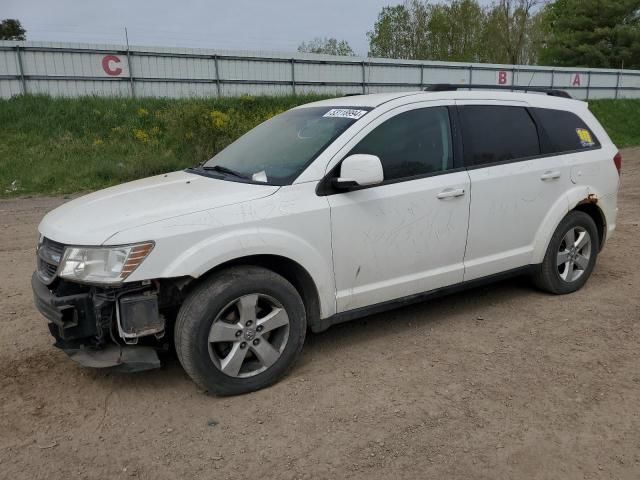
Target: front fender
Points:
(294, 223)
(191, 247)
(205, 255)
(209, 252)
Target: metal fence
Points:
(62, 69)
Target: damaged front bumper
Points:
(114, 328)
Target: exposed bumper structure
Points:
(72, 316)
(83, 323)
(117, 358)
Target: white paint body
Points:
(360, 247)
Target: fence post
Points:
(617, 84)
(215, 66)
(422, 76)
(293, 75)
(133, 92)
(364, 78)
(470, 74)
(553, 72)
(588, 83)
(23, 82)
(513, 77)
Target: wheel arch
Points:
(591, 208)
(291, 270)
(581, 198)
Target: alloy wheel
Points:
(248, 335)
(574, 254)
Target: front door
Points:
(407, 235)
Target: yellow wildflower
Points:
(273, 114)
(218, 119)
(140, 135)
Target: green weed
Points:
(59, 146)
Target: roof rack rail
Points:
(449, 87)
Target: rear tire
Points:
(571, 255)
(240, 330)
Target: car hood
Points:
(94, 218)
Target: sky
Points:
(279, 25)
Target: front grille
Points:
(49, 257)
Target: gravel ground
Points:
(499, 382)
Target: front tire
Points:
(571, 255)
(240, 330)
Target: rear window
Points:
(493, 133)
(564, 131)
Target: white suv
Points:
(325, 213)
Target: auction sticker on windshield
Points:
(345, 113)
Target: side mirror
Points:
(359, 170)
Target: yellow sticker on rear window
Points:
(585, 137)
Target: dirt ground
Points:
(501, 382)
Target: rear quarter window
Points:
(563, 131)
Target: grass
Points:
(60, 146)
(621, 119)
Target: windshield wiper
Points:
(228, 171)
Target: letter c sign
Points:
(107, 62)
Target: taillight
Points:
(617, 160)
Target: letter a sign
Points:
(576, 81)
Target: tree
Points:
(11, 29)
(401, 32)
(328, 46)
(455, 31)
(460, 30)
(511, 32)
(592, 33)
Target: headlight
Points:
(102, 264)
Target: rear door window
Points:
(495, 133)
(564, 131)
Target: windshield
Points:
(278, 150)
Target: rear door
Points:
(566, 134)
(513, 184)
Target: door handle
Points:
(451, 193)
(550, 175)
